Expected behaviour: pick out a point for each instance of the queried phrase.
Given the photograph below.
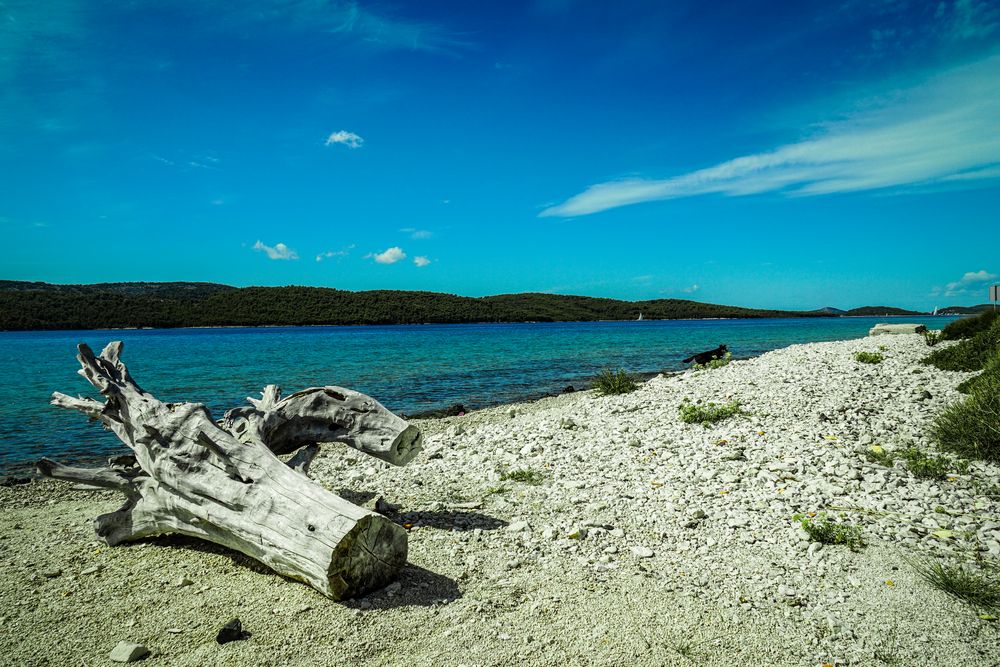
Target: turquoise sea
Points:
(408, 368)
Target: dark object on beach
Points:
(222, 481)
(456, 410)
(231, 632)
(705, 357)
(14, 481)
(569, 389)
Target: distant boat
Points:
(935, 311)
(639, 319)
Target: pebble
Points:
(128, 652)
(642, 552)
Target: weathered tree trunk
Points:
(194, 477)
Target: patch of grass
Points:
(970, 354)
(878, 454)
(932, 338)
(971, 428)
(928, 466)
(991, 369)
(610, 382)
(715, 363)
(709, 413)
(497, 490)
(821, 528)
(869, 357)
(971, 586)
(523, 475)
(967, 327)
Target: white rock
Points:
(128, 652)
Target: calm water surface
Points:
(407, 368)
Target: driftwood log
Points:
(223, 482)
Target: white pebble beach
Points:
(645, 541)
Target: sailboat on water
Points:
(639, 319)
(935, 310)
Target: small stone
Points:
(182, 582)
(51, 573)
(577, 533)
(174, 631)
(518, 527)
(128, 652)
(642, 552)
(616, 532)
(93, 569)
(231, 632)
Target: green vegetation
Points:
(974, 587)
(523, 475)
(967, 327)
(991, 371)
(969, 354)
(610, 382)
(709, 413)
(715, 363)
(26, 305)
(879, 311)
(932, 338)
(878, 454)
(821, 528)
(928, 466)
(869, 357)
(972, 428)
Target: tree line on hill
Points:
(34, 306)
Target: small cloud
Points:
(417, 233)
(421, 261)
(970, 281)
(329, 254)
(692, 289)
(390, 256)
(346, 138)
(278, 251)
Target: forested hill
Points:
(25, 305)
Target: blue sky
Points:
(773, 154)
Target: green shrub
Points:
(715, 363)
(932, 338)
(614, 382)
(869, 357)
(524, 476)
(961, 582)
(709, 413)
(971, 428)
(928, 466)
(822, 529)
(970, 354)
(967, 327)
(991, 369)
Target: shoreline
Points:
(424, 324)
(642, 536)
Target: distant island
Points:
(40, 306)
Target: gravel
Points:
(645, 540)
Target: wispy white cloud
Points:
(345, 138)
(339, 254)
(277, 251)
(421, 261)
(967, 284)
(389, 256)
(692, 289)
(939, 132)
(417, 233)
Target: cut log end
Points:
(368, 558)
